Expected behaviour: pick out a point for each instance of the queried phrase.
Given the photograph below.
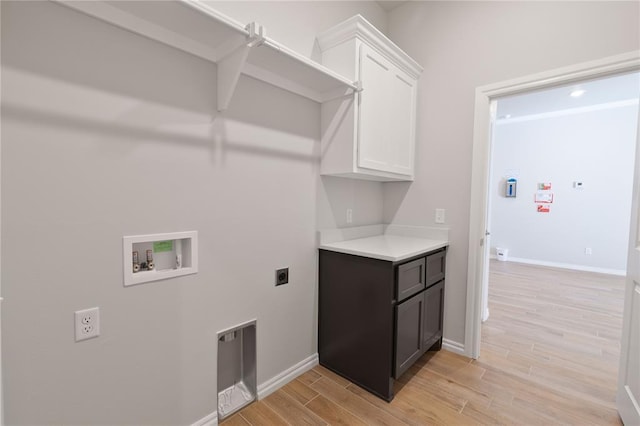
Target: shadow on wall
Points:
(93, 57)
(216, 140)
(394, 195)
(88, 52)
(337, 195)
(369, 202)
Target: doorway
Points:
(561, 176)
(486, 114)
(561, 159)
(479, 249)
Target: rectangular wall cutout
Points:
(159, 256)
(237, 386)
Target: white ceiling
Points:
(601, 91)
(390, 5)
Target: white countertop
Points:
(386, 247)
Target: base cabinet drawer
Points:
(435, 267)
(411, 277)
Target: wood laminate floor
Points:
(549, 356)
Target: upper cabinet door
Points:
(369, 135)
(403, 116)
(375, 103)
(387, 115)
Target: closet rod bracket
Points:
(257, 34)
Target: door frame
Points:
(480, 169)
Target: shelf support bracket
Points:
(229, 70)
(231, 64)
(257, 34)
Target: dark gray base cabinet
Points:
(376, 317)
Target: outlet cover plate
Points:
(87, 323)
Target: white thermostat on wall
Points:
(577, 185)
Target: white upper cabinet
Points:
(372, 135)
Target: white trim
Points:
(208, 420)
(626, 62)
(485, 315)
(325, 72)
(271, 385)
(452, 346)
(282, 82)
(358, 27)
(569, 111)
(276, 382)
(632, 399)
(619, 272)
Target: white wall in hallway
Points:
(595, 147)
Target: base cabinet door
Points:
(409, 333)
(433, 313)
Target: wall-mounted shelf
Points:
(173, 254)
(196, 28)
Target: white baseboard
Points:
(276, 382)
(485, 315)
(208, 420)
(452, 346)
(271, 385)
(619, 272)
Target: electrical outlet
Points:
(282, 276)
(587, 251)
(349, 215)
(439, 215)
(87, 323)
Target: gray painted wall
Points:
(105, 134)
(596, 147)
(108, 134)
(463, 45)
(296, 24)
